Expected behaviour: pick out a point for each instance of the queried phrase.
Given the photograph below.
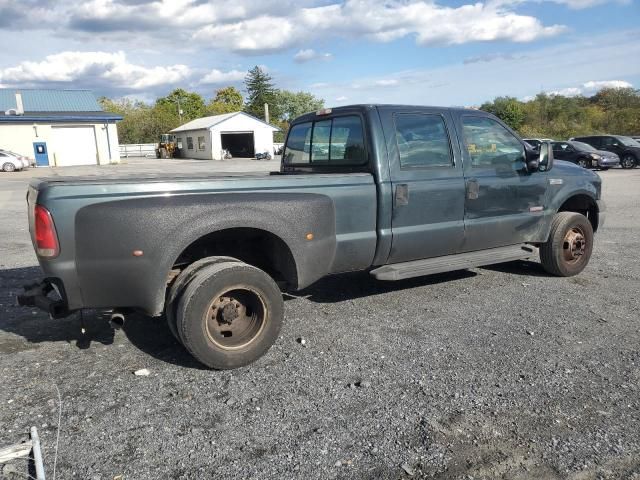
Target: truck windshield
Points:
(334, 141)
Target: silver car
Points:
(11, 161)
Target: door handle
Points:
(473, 189)
(402, 194)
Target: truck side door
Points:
(427, 183)
(504, 202)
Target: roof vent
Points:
(11, 111)
(19, 106)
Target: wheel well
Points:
(583, 204)
(256, 247)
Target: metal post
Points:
(266, 112)
(37, 454)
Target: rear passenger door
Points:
(427, 183)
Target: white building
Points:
(58, 127)
(242, 134)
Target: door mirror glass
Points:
(545, 160)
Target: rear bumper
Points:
(42, 295)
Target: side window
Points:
(422, 141)
(337, 141)
(189, 143)
(490, 144)
(201, 143)
(298, 144)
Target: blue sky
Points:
(396, 51)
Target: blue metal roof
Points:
(97, 117)
(36, 100)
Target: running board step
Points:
(449, 263)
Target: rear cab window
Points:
(326, 142)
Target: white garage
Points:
(58, 127)
(243, 135)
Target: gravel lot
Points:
(499, 372)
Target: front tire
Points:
(583, 163)
(230, 314)
(9, 167)
(568, 250)
(628, 161)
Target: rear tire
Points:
(230, 314)
(628, 161)
(9, 167)
(568, 249)
(178, 286)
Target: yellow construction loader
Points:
(167, 146)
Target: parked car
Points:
(401, 191)
(11, 162)
(536, 142)
(626, 148)
(584, 155)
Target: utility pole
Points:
(266, 112)
(179, 110)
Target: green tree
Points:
(227, 100)
(293, 104)
(510, 110)
(191, 103)
(260, 90)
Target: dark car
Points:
(626, 148)
(584, 155)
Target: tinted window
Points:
(190, 143)
(490, 144)
(320, 141)
(422, 141)
(337, 141)
(298, 144)
(560, 147)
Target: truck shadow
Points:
(32, 326)
(353, 285)
(152, 335)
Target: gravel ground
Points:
(499, 372)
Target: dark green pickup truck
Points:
(400, 191)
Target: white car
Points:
(10, 161)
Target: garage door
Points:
(74, 146)
(239, 144)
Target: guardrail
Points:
(138, 150)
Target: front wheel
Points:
(8, 167)
(583, 163)
(628, 161)
(568, 249)
(230, 314)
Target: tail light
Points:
(46, 238)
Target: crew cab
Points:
(399, 191)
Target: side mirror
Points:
(545, 160)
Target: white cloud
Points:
(590, 87)
(95, 68)
(386, 82)
(216, 76)
(309, 54)
(429, 23)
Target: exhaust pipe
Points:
(117, 320)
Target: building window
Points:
(189, 143)
(201, 143)
(179, 142)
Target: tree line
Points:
(144, 123)
(613, 111)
